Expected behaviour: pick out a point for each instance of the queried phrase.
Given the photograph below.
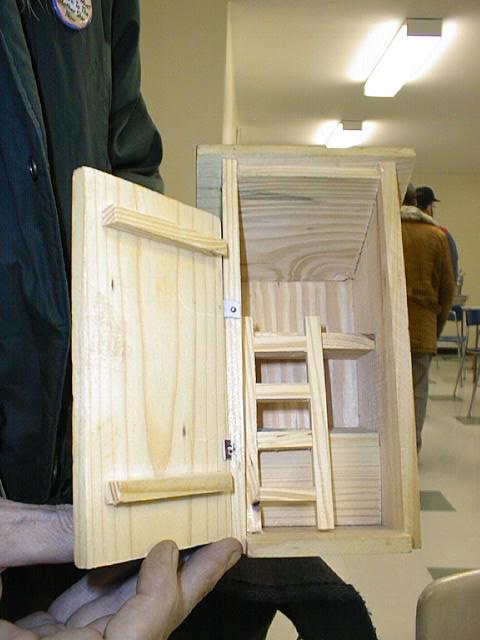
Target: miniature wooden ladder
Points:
(316, 439)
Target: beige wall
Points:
(459, 211)
(183, 48)
(230, 104)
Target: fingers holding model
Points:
(107, 603)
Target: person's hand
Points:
(149, 607)
(34, 534)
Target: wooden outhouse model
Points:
(244, 368)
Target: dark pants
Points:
(306, 590)
(29, 589)
(242, 607)
(420, 367)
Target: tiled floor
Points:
(434, 501)
(450, 496)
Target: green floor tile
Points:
(434, 501)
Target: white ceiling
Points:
(292, 62)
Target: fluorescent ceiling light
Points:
(417, 41)
(372, 49)
(348, 133)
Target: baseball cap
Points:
(425, 196)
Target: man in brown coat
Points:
(430, 291)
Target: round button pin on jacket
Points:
(75, 14)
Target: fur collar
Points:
(408, 212)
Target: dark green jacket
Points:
(67, 98)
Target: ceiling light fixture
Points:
(410, 50)
(371, 49)
(348, 133)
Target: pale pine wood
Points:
(232, 291)
(322, 464)
(380, 307)
(285, 495)
(149, 489)
(356, 481)
(304, 228)
(148, 374)
(281, 307)
(399, 438)
(266, 392)
(271, 345)
(368, 317)
(284, 440)
(191, 342)
(152, 227)
(356, 477)
(282, 239)
(349, 291)
(288, 541)
(343, 346)
(335, 346)
(210, 157)
(295, 171)
(254, 519)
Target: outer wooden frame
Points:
(149, 415)
(387, 371)
(232, 292)
(312, 160)
(398, 396)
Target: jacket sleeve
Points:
(453, 254)
(135, 146)
(447, 285)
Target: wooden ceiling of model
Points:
(304, 211)
(304, 228)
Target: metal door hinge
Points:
(232, 309)
(228, 449)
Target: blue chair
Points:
(458, 340)
(472, 319)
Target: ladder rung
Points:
(291, 347)
(346, 346)
(274, 392)
(275, 440)
(300, 494)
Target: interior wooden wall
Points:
(281, 307)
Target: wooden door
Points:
(149, 415)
